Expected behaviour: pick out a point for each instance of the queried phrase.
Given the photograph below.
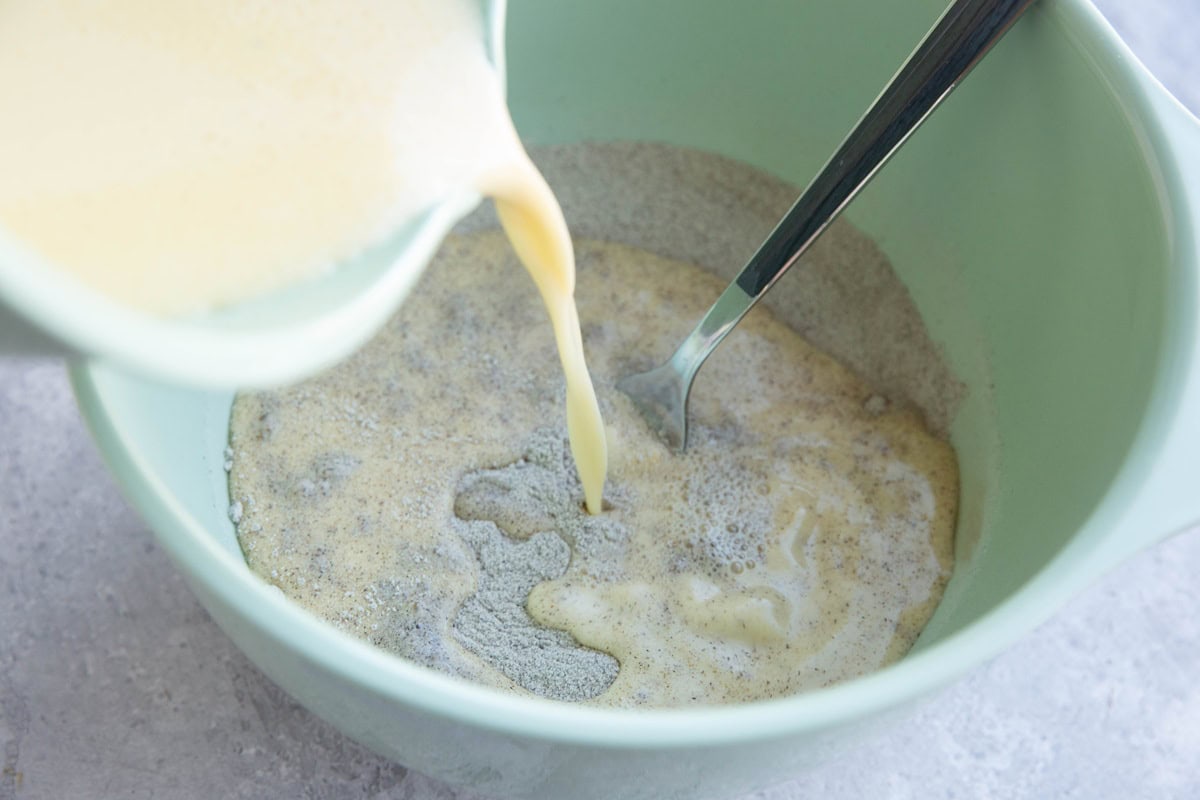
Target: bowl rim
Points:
(228, 578)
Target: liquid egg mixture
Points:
(423, 496)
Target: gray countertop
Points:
(115, 683)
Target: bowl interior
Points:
(1024, 218)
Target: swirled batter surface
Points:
(422, 496)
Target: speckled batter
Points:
(421, 495)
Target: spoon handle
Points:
(959, 39)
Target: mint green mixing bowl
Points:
(1045, 221)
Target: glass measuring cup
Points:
(274, 339)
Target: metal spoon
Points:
(957, 41)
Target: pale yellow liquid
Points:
(535, 226)
(180, 156)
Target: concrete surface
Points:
(115, 684)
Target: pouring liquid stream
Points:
(535, 226)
